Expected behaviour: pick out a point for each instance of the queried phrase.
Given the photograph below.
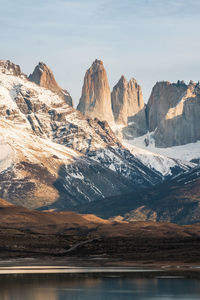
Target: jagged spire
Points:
(95, 100)
(127, 99)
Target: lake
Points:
(110, 284)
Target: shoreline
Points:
(78, 265)
(67, 273)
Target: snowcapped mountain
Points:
(54, 156)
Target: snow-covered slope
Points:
(42, 173)
(160, 162)
(186, 153)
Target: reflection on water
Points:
(106, 287)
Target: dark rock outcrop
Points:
(137, 125)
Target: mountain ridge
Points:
(51, 147)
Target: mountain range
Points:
(113, 151)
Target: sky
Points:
(149, 40)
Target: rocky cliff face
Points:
(127, 100)
(137, 125)
(124, 106)
(95, 100)
(164, 96)
(174, 112)
(43, 76)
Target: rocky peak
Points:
(193, 86)
(174, 112)
(43, 76)
(122, 82)
(97, 65)
(180, 83)
(164, 96)
(127, 100)
(95, 100)
(7, 67)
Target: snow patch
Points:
(159, 162)
(185, 153)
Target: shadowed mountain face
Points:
(127, 100)
(177, 201)
(44, 77)
(137, 125)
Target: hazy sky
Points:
(150, 40)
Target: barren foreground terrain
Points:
(78, 239)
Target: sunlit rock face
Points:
(127, 100)
(174, 113)
(95, 100)
(164, 96)
(43, 76)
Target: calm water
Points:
(106, 287)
